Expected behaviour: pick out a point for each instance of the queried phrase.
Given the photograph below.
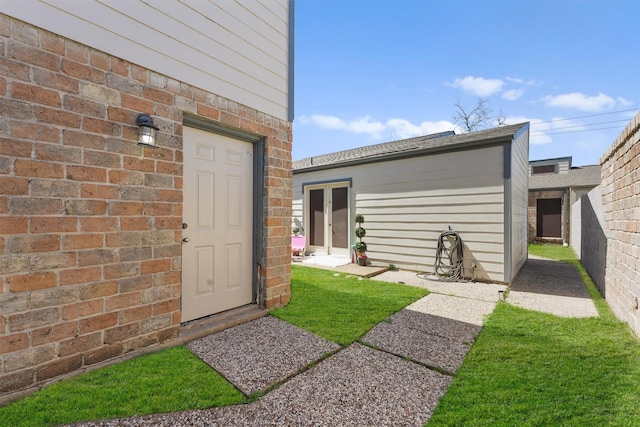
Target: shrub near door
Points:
(360, 246)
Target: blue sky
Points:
(371, 71)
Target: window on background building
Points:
(543, 169)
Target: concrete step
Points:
(199, 328)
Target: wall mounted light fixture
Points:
(147, 131)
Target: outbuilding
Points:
(410, 191)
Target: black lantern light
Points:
(147, 131)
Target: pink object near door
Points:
(298, 244)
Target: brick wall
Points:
(90, 222)
(621, 206)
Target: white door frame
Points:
(328, 247)
(258, 141)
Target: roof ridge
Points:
(440, 139)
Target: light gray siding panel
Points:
(519, 202)
(236, 21)
(433, 200)
(437, 225)
(562, 165)
(297, 218)
(238, 51)
(268, 22)
(407, 204)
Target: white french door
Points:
(327, 218)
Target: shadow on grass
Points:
(529, 368)
(342, 309)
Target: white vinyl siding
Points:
(297, 217)
(519, 203)
(562, 165)
(236, 49)
(407, 203)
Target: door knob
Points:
(185, 239)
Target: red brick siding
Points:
(90, 222)
(621, 206)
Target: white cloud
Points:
(326, 122)
(520, 81)
(365, 125)
(479, 86)
(512, 94)
(401, 128)
(391, 129)
(541, 130)
(537, 129)
(358, 126)
(580, 101)
(623, 102)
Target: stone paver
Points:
(432, 340)
(457, 308)
(239, 353)
(359, 385)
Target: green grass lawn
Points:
(336, 308)
(525, 369)
(534, 369)
(166, 381)
(342, 309)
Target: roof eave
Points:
(460, 146)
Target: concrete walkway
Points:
(552, 287)
(395, 376)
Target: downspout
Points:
(507, 214)
(565, 219)
(291, 63)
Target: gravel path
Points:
(358, 386)
(435, 341)
(256, 355)
(398, 381)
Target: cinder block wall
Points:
(90, 222)
(588, 236)
(621, 205)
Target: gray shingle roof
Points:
(437, 141)
(575, 177)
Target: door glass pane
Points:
(339, 218)
(316, 217)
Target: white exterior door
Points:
(217, 253)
